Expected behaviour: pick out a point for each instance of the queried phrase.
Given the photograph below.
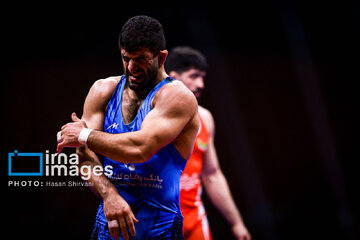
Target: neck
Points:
(141, 95)
(161, 75)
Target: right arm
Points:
(115, 207)
(93, 116)
(217, 187)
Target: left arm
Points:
(217, 187)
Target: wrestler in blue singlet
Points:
(150, 188)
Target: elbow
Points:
(212, 176)
(85, 156)
(140, 155)
(136, 150)
(144, 152)
(80, 151)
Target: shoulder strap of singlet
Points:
(162, 83)
(153, 92)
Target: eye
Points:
(126, 59)
(139, 59)
(194, 76)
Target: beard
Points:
(198, 100)
(147, 82)
(197, 93)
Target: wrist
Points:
(110, 193)
(84, 135)
(239, 226)
(238, 223)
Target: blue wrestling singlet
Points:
(150, 188)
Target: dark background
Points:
(281, 88)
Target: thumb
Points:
(60, 146)
(75, 118)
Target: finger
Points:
(59, 137)
(131, 225)
(61, 145)
(64, 126)
(123, 228)
(114, 229)
(134, 218)
(74, 117)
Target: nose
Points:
(132, 66)
(200, 82)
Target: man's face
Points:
(193, 79)
(141, 68)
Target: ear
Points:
(174, 75)
(162, 56)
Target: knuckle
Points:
(126, 208)
(109, 215)
(119, 213)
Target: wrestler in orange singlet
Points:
(189, 66)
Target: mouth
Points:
(197, 92)
(136, 78)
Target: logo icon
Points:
(114, 126)
(25, 164)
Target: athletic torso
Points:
(150, 188)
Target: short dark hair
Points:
(142, 31)
(182, 58)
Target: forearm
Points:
(124, 147)
(218, 191)
(100, 184)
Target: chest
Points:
(130, 107)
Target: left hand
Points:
(240, 232)
(70, 133)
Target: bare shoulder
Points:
(177, 88)
(99, 95)
(207, 118)
(178, 101)
(104, 88)
(177, 95)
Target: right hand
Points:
(117, 211)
